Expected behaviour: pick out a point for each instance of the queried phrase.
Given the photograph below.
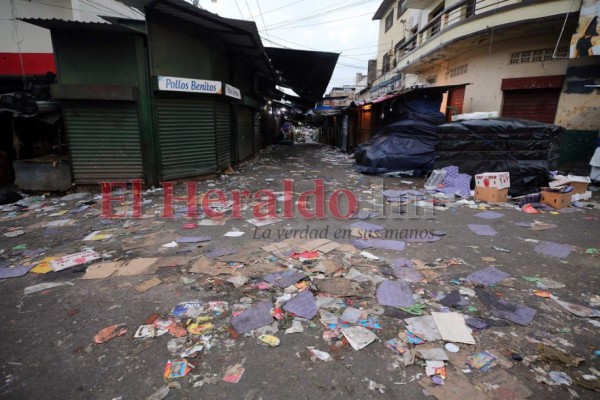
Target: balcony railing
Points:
(458, 12)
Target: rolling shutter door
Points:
(456, 98)
(532, 104)
(104, 141)
(186, 135)
(223, 120)
(245, 134)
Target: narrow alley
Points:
(243, 307)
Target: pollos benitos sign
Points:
(174, 84)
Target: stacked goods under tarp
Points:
(525, 149)
(405, 145)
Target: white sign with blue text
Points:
(188, 85)
(232, 91)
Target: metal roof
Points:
(61, 24)
(242, 36)
(306, 72)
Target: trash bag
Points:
(406, 145)
(526, 149)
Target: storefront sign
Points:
(174, 84)
(233, 92)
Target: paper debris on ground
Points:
(110, 332)
(358, 336)
(97, 235)
(74, 259)
(234, 373)
(303, 305)
(424, 327)
(482, 230)
(488, 276)
(452, 327)
(234, 234)
(149, 284)
(42, 286)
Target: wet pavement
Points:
(513, 340)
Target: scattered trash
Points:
(269, 340)
(110, 332)
(149, 284)
(561, 378)
(234, 373)
(42, 286)
(358, 336)
(549, 353)
(177, 369)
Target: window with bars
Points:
(458, 70)
(537, 55)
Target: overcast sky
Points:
(338, 26)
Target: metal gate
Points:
(104, 141)
(533, 104)
(223, 133)
(186, 136)
(245, 133)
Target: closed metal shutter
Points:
(223, 120)
(532, 104)
(104, 141)
(186, 136)
(245, 133)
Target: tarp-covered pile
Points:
(526, 149)
(405, 145)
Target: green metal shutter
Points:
(245, 138)
(104, 141)
(223, 120)
(186, 136)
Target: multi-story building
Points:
(340, 96)
(512, 54)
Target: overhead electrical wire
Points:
(262, 17)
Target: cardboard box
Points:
(491, 195)
(580, 183)
(556, 199)
(498, 180)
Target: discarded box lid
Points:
(499, 180)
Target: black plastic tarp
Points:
(525, 149)
(405, 145)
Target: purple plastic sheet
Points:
(404, 269)
(395, 294)
(255, 317)
(488, 276)
(365, 214)
(513, 312)
(382, 244)
(367, 226)
(477, 323)
(482, 230)
(193, 239)
(523, 224)
(302, 305)
(489, 215)
(220, 251)
(553, 249)
(15, 271)
(284, 278)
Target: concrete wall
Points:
(488, 66)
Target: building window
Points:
(458, 70)
(386, 63)
(469, 9)
(537, 55)
(400, 9)
(389, 20)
